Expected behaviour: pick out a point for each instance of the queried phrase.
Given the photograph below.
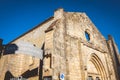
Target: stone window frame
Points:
(88, 36)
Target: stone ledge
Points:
(88, 44)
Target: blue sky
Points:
(19, 16)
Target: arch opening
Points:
(98, 66)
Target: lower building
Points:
(66, 46)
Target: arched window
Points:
(87, 35)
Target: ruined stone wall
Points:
(114, 60)
(66, 50)
(76, 24)
(59, 57)
(73, 59)
(16, 64)
(47, 61)
(71, 51)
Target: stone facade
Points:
(71, 45)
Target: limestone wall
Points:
(66, 50)
(17, 64)
(71, 51)
(78, 23)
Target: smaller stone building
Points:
(66, 46)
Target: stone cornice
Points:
(91, 45)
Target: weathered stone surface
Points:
(66, 50)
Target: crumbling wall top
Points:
(58, 13)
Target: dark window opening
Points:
(87, 36)
(47, 78)
(90, 78)
(97, 78)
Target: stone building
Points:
(66, 46)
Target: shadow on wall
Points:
(27, 74)
(31, 73)
(10, 49)
(8, 76)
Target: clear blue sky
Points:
(19, 16)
